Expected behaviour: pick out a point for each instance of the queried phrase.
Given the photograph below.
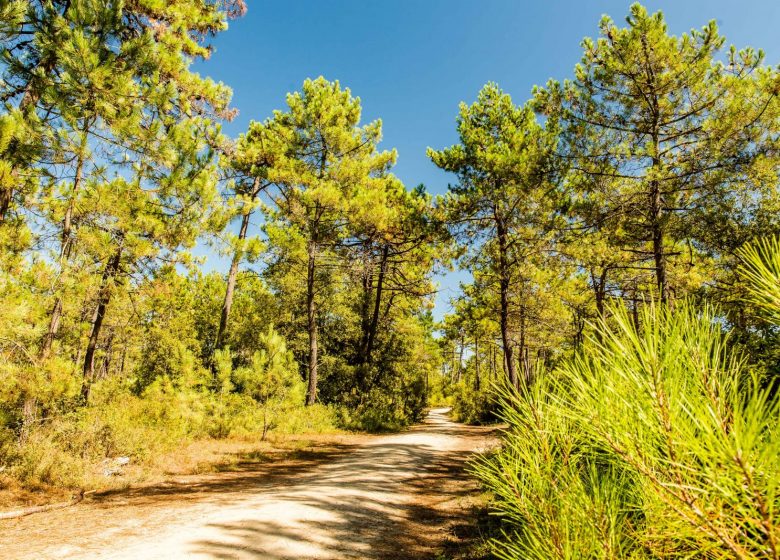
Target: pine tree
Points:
(660, 133)
(249, 162)
(139, 226)
(504, 194)
(327, 169)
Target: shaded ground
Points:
(400, 496)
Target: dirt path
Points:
(398, 496)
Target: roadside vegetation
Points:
(622, 318)
(659, 442)
(619, 228)
(116, 340)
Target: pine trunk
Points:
(29, 416)
(656, 203)
(377, 304)
(599, 290)
(460, 360)
(476, 364)
(230, 287)
(503, 272)
(104, 297)
(6, 196)
(66, 245)
(659, 256)
(311, 320)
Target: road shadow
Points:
(244, 473)
(362, 504)
(365, 497)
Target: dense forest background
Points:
(593, 211)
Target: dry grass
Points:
(13, 494)
(197, 457)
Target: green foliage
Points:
(655, 162)
(657, 437)
(505, 199)
(761, 269)
(657, 443)
(271, 379)
(113, 168)
(474, 406)
(640, 177)
(350, 254)
(223, 370)
(68, 448)
(671, 152)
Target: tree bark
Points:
(311, 320)
(599, 289)
(230, 287)
(504, 279)
(522, 357)
(493, 359)
(365, 308)
(460, 358)
(40, 509)
(659, 256)
(377, 303)
(635, 313)
(29, 416)
(66, 245)
(365, 325)
(656, 202)
(476, 363)
(6, 196)
(104, 297)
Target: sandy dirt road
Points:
(397, 496)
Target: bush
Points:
(271, 379)
(474, 406)
(43, 460)
(377, 411)
(312, 419)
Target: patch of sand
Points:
(394, 496)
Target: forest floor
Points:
(400, 496)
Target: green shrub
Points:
(43, 460)
(657, 442)
(313, 419)
(474, 406)
(440, 393)
(271, 379)
(379, 412)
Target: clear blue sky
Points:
(412, 61)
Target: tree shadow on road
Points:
(244, 473)
(374, 518)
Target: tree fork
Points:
(104, 297)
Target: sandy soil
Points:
(399, 496)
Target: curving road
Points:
(397, 496)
